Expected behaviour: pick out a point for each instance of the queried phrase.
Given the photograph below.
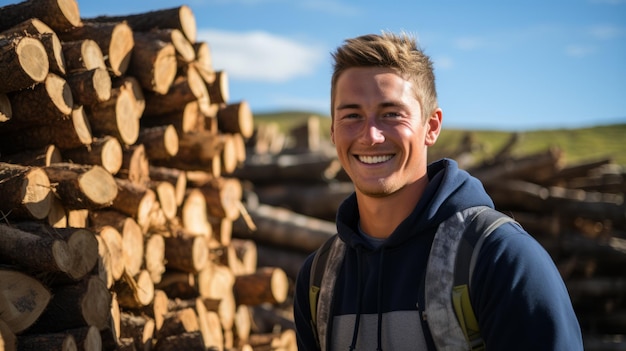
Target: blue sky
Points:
(512, 65)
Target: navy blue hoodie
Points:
(518, 295)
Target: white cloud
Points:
(579, 50)
(469, 43)
(606, 32)
(261, 56)
(443, 62)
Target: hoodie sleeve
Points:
(519, 296)
(302, 311)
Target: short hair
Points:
(397, 51)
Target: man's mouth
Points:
(374, 159)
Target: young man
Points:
(384, 117)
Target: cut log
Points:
(228, 156)
(114, 39)
(166, 195)
(247, 253)
(218, 88)
(223, 197)
(82, 55)
(46, 254)
(284, 228)
(193, 213)
(37, 29)
(185, 52)
(181, 18)
(105, 152)
(186, 252)
(87, 338)
(215, 282)
(60, 15)
(203, 62)
(67, 133)
(82, 244)
(90, 87)
(26, 191)
(86, 303)
(153, 63)
(290, 260)
(24, 62)
(82, 186)
(133, 293)
(187, 88)
(179, 321)
(266, 319)
(266, 285)
(236, 118)
(139, 328)
(222, 230)
(187, 120)
(135, 201)
(135, 166)
(197, 151)
(185, 341)
(155, 257)
(160, 142)
(55, 103)
(41, 157)
(22, 300)
(119, 115)
(157, 309)
(173, 176)
(8, 341)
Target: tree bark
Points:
(105, 152)
(90, 87)
(160, 142)
(41, 157)
(266, 285)
(186, 252)
(135, 201)
(153, 63)
(26, 191)
(82, 55)
(82, 186)
(236, 118)
(60, 15)
(23, 62)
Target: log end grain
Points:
(60, 93)
(120, 48)
(96, 303)
(188, 23)
(36, 193)
(98, 185)
(33, 59)
(22, 299)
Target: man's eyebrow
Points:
(383, 104)
(347, 106)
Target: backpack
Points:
(453, 255)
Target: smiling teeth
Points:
(374, 159)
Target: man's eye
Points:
(392, 114)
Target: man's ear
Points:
(433, 127)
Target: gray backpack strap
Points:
(324, 272)
(452, 258)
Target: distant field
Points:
(578, 145)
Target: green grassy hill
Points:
(579, 145)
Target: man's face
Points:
(378, 130)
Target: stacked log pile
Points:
(117, 147)
(576, 211)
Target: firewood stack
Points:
(576, 211)
(117, 147)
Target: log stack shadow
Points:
(118, 144)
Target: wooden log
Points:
(55, 103)
(22, 300)
(35, 28)
(265, 319)
(86, 303)
(217, 86)
(6, 112)
(290, 260)
(105, 152)
(157, 309)
(82, 55)
(160, 142)
(7, 338)
(53, 342)
(60, 15)
(197, 151)
(203, 61)
(266, 285)
(185, 52)
(186, 252)
(193, 213)
(87, 338)
(26, 191)
(139, 328)
(24, 62)
(247, 253)
(236, 118)
(47, 254)
(166, 195)
(533, 168)
(174, 176)
(153, 63)
(114, 39)
(119, 115)
(90, 87)
(154, 257)
(82, 186)
(82, 244)
(135, 201)
(178, 322)
(186, 120)
(284, 228)
(135, 165)
(67, 133)
(187, 88)
(223, 197)
(110, 225)
(215, 282)
(307, 136)
(181, 18)
(222, 230)
(41, 157)
(133, 293)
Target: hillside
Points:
(578, 145)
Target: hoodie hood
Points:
(449, 190)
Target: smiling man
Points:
(421, 261)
